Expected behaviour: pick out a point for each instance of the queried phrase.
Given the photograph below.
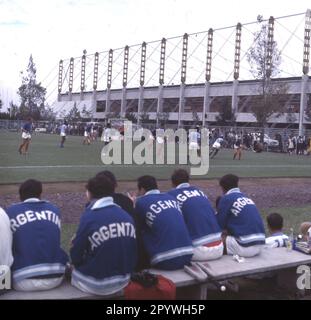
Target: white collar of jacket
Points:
(32, 200)
(234, 190)
(154, 191)
(183, 185)
(102, 203)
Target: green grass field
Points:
(77, 162)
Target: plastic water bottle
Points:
(289, 244)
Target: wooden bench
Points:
(223, 269)
(226, 268)
(64, 292)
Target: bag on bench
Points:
(148, 286)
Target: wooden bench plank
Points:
(268, 260)
(65, 291)
(179, 277)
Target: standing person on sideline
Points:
(39, 261)
(87, 133)
(237, 148)
(239, 218)
(194, 141)
(309, 146)
(163, 230)
(107, 134)
(26, 136)
(199, 217)
(6, 257)
(63, 133)
(160, 141)
(104, 251)
(291, 146)
(300, 145)
(275, 225)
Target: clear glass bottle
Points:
(289, 244)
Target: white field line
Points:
(156, 165)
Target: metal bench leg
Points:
(203, 291)
(287, 281)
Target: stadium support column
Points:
(236, 71)
(161, 79)
(303, 102)
(270, 45)
(109, 80)
(82, 83)
(181, 104)
(142, 80)
(206, 103)
(124, 83)
(71, 68)
(140, 104)
(160, 103)
(183, 79)
(305, 70)
(123, 102)
(95, 80)
(235, 98)
(60, 79)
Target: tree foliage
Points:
(270, 93)
(308, 108)
(226, 116)
(31, 93)
(13, 110)
(48, 113)
(144, 117)
(73, 114)
(131, 116)
(163, 118)
(3, 115)
(86, 113)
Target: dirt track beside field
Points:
(267, 193)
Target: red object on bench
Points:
(164, 289)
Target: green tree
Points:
(48, 113)
(308, 108)
(264, 59)
(3, 115)
(86, 113)
(73, 114)
(144, 117)
(131, 116)
(226, 116)
(13, 110)
(163, 118)
(31, 93)
(112, 115)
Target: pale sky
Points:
(59, 29)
